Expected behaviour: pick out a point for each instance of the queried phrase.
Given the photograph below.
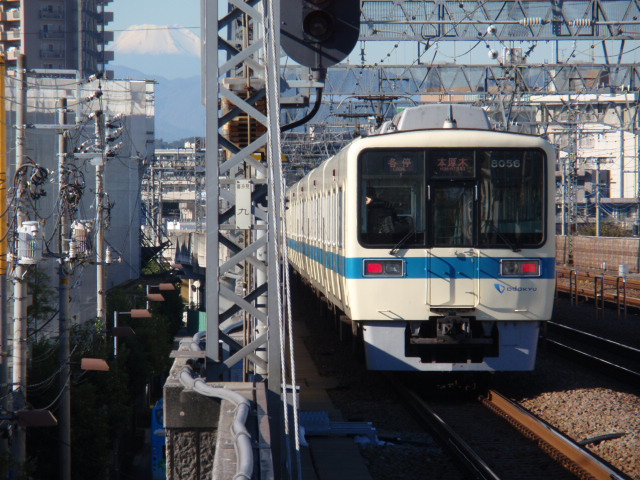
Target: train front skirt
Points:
(388, 347)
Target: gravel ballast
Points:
(576, 400)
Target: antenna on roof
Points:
(450, 122)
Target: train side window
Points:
(314, 216)
(316, 224)
(332, 216)
(323, 216)
(340, 216)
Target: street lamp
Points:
(163, 287)
(96, 364)
(32, 418)
(123, 332)
(126, 331)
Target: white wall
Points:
(135, 100)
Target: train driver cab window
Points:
(452, 193)
(392, 198)
(512, 198)
(452, 215)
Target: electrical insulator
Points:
(29, 243)
(581, 22)
(73, 250)
(108, 256)
(532, 21)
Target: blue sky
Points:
(187, 13)
(155, 12)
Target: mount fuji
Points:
(170, 55)
(170, 51)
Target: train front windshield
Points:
(485, 198)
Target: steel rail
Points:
(619, 370)
(470, 460)
(617, 348)
(568, 453)
(572, 456)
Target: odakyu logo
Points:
(503, 288)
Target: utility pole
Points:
(19, 280)
(598, 197)
(81, 33)
(100, 243)
(158, 219)
(64, 410)
(4, 228)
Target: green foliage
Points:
(6, 464)
(152, 267)
(102, 403)
(607, 229)
(44, 305)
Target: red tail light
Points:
(374, 268)
(517, 268)
(384, 268)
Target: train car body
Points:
(436, 239)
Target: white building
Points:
(134, 100)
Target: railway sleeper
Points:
(452, 339)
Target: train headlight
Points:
(520, 268)
(383, 268)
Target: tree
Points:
(104, 405)
(607, 229)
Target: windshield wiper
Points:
(508, 242)
(402, 241)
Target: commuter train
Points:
(434, 238)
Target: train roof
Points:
(442, 115)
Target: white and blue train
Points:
(435, 237)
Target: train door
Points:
(452, 261)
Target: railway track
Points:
(488, 447)
(620, 360)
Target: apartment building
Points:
(57, 34)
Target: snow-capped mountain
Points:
(157, 40)
(158, 50)
(171, 56)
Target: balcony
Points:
(52, 35)
(51, 53)
(13, 15)
(107, 36)
(51, 15)
(107, 56)
(107, 17)
(13, 53)
(12, 35)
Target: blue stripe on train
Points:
(417, 267)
